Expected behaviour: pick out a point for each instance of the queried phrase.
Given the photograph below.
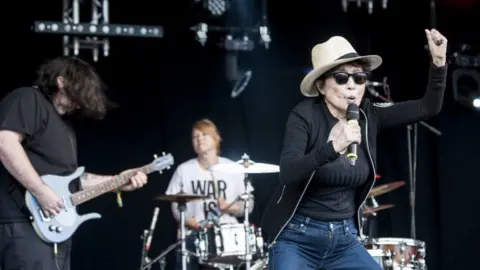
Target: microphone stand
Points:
(412, 159)
(144, 258)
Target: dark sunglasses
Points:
(342, 77)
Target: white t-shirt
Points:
(199, 181)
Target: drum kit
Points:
(230, 246)
(391, 253)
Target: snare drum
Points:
(225, 244)
(397, 253)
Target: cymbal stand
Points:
(161, 257)
(246, 223)
(364, 219)
(182, 207)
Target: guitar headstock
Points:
(163, 162)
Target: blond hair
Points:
(208, 127)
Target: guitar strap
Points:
(18, 198)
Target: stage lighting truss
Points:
(236, 39)
(93, 35)
(359, 3)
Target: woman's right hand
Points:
(347, 134)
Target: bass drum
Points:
(397, 253)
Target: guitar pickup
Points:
(65, 204)
(45, 219)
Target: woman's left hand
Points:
(437, 44)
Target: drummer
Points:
(195, 176)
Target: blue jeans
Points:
(309, 244)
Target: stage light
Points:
(265, 38)
(92, 35)
(201, 31)
(216, 7)
(476, 103)
(240, 44)
(360, 2)
(87, 29)
(466, 87)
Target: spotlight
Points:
(466, 87)
(216, 7)
(89, 29)
(265, 38)
(238, 44)
(360, 2)
(476, 103)
(201, 33)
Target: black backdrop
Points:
(164, 85)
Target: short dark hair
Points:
(82, 85)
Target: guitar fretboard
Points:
(107, 186)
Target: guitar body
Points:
(61, 227)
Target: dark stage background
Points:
(163, 86)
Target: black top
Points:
(305, 147)
(49, 142)
(331, 194)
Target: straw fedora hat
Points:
(325, 56)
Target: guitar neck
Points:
(107, 186)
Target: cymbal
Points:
(180, 197)
(252, 168)
(370, 210)
(382, 189)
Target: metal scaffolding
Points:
(92, 35)
(360, 2)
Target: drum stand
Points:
(161, 257)
(182, 207)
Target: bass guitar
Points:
(61, 227)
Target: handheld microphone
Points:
(375, 84)
(352, 117)
(152, 227)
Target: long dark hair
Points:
(82, 85)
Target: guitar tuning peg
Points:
(155, 156)
(168, 168)
(163, 153)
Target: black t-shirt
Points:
(49, 142)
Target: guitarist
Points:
(34, 141)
